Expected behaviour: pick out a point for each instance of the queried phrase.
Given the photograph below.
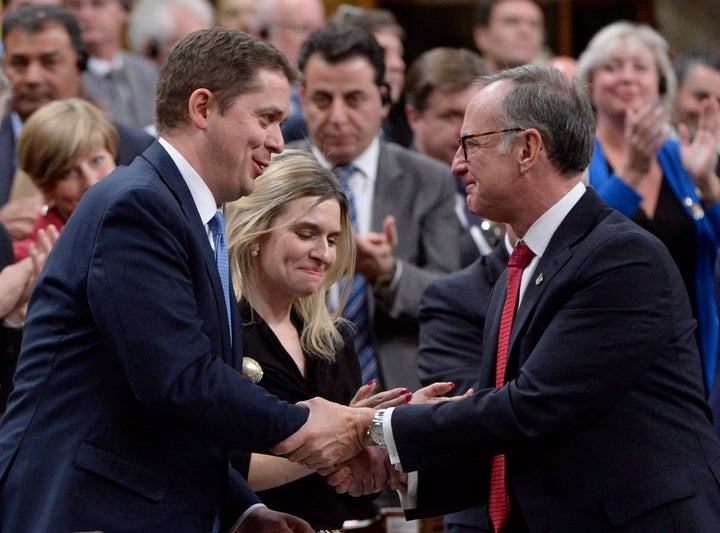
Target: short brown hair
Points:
(226, 62)
(443, 69)
(57, 134)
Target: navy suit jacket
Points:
(132, 143)
(602, 419)
(127, 393)
(452, 316)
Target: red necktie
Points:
(499, 504)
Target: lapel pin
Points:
(539, 279)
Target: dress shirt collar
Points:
(103, 67)
(201, 195)
(17, 124)
(366, 163)
(542, 230)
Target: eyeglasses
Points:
(77, 5)
(463, 140)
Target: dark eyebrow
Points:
(274, 112)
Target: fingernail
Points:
(408, 397)
(452, 385)
(372, 382)
(404, 391)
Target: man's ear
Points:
(479, 38)
(199, 106)
(412, 115)
(531, 144)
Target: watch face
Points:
(376, 434)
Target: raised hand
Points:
(646, 129)
(19, 216)
(700, 156)
(431, 393)
(381, 400)
(375, 251)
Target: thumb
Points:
(390, 230)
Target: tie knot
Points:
(521, 256)
(343, 173)
(217, 224)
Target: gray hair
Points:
(629, 34)
(153, 21)
(542, 98)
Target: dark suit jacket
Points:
(602, 418)
(127, 392)
(420, 193)
(452, 317)
(132, 143)
(9, 337)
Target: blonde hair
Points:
(291, 175)
(631, 35)
(57, 134)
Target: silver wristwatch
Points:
(375, 430)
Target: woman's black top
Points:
(310, 498)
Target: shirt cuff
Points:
(246, 513)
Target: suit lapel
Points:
(170, 175)
(387, 182)
(581, 219)
(7, 163)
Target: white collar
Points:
(201, 195)
(542, 230)
(366, 163)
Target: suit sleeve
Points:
(618, 310)
(451, 333)
(143, 292)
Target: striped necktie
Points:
(357, 309)
(217, 227)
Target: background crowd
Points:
(400, 269)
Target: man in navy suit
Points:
(600, 415)
(128, 391)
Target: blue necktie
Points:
(357, 310)
(217, 227)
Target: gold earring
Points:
(254, 249)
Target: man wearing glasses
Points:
(589, 413)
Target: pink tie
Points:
(499, 503)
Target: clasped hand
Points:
(334, 442)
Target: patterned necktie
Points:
(499, 503)
(217, 227)
(356, 309)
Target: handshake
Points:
(335, 441)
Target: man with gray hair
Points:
(156, 25)
(589, 412)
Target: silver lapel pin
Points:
(539, 279)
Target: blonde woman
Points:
(65, 147)
(289, 241)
